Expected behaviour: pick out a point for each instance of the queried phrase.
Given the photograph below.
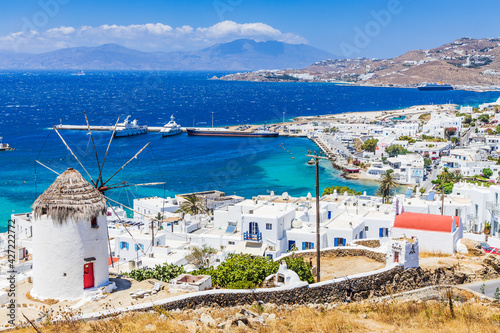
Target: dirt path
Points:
(334, 267)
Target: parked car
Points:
(492, 250)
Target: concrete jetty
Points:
(103, 128)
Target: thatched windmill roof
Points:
(70, 197)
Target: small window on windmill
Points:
(93, 223)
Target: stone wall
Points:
(340, 252)
(383, 282)
(373, 243)
(380, 283)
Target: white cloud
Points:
(146, 37)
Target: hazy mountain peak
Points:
(240, 54)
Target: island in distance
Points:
(240, 54)
(465, 63)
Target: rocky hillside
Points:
(464, 62)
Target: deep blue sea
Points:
(32, 102)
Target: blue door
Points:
(291, 245)
(253, 228)
(329, 214)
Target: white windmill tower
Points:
(70, 232)
(70, 242)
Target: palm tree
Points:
(387, 184)
(192, 205)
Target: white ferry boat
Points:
(172, 128)
(5, 146)
(130, 128)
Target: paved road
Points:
(432, 176)
(489, 287)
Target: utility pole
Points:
(318, 244)
(152, 237)
(442, 196)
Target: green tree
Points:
(467, 119)
(407, 138)
(192, 205)
(242, 270)
(487, 173)
(427, 161)
(340, 190)
(387, 184)
(446, 179)
(454, 140)
(395, 150)
(201, 256)
(165, 272)
(484, 118)
(370, 145)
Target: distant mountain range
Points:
(463, 63)
(241, 54)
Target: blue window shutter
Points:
(335, 242)
(343, 242)
(381, 232)
(303, 245)
(126, 245)
(121, 245)
(312, 245)
(142, 246)
(329, 214)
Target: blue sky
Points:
(332, 25)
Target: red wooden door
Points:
(88, 275)
(396, 256)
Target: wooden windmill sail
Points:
(103, 185)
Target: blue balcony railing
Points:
(252, 237)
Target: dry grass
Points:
(433, 254)
(358, 317)
(48, 301)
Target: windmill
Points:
(104, 185)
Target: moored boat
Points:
(5, 146)
(130, 128)
(435, 86)
(171, 128)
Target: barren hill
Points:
(464, 62)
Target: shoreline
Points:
(460, 87)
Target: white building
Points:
(436, 233)
(439, 122)
(470, 162)
(70, 244)
(403, 251)
(152, 206)
(408, 169)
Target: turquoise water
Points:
(30, 103)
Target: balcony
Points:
(472, 217)
(492, 206)
(252, 237)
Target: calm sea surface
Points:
(31, 102)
